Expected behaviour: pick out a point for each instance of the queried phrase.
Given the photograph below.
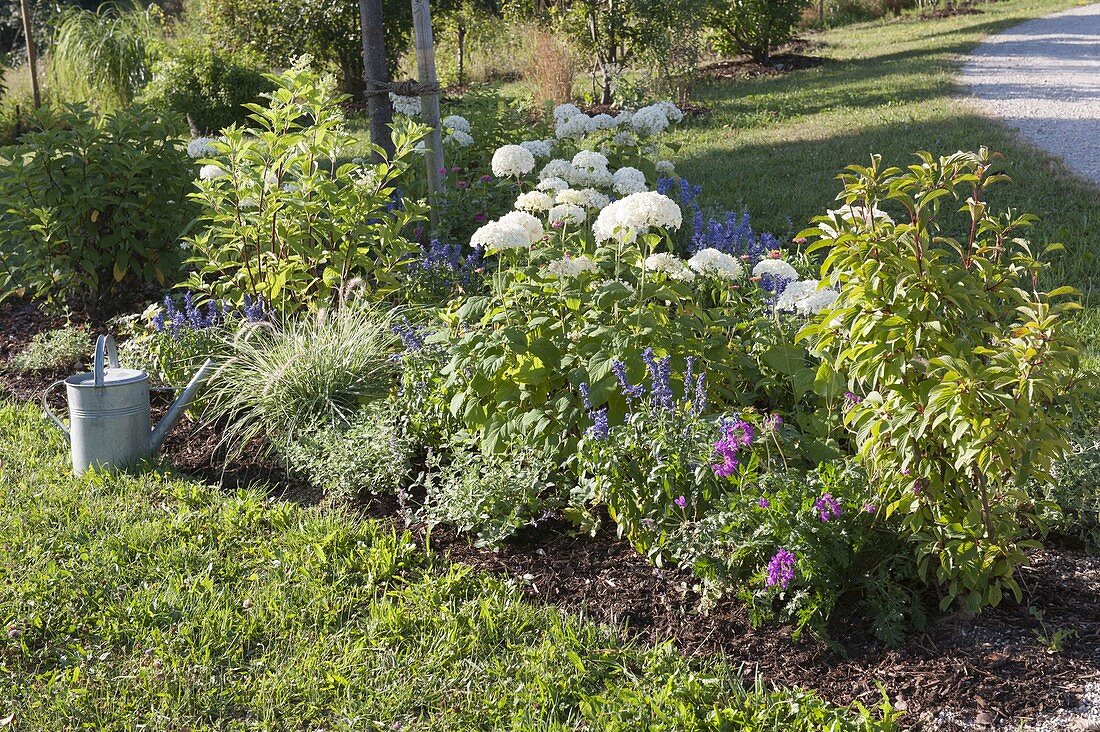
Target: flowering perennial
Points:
(781, 569)
(636, 214)
(718, 264)
(512, 161)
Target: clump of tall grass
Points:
(103, 56)
(284, 379)
(552, 67)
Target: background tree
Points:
(754, 27)
(328, 30)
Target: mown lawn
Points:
(774, 144)
(154, 602)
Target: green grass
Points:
(775, 144)
(152, 602)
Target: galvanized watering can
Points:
(110, 424)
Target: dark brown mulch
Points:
(746, 68)
(993, 667)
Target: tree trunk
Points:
(32, 59)
(375, 73)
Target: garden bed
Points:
(999, 666)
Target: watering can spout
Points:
(168, 421)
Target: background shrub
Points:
(755, 27)
(92, 205)
(206, 86)
(491, 496)
(369, 456)
(286, 219)
(55, 349)
(327, 30)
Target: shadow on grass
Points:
(783, 184)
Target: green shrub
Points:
(755, 27)
(961, 367)
(207, 86)
(55, 349)
(1072, 500)
(492, 496)
(285, 219)
(369, 456)
(280, 381)
(92, 205)
(328, 30)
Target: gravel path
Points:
(1043, 77)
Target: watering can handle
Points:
(104, 345)
(46, 407)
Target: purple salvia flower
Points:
(781, 569)
(764, 503)
(600, 428)
(827, 507)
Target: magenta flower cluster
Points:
(827, 507)
(781, 569)
(735, 435)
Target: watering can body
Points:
(110, 424)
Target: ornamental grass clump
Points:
(281, 380)
(961, 367)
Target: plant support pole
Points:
(32, 61)
(429, 102)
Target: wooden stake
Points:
(375, 71)
(429, 103)
(32, 60)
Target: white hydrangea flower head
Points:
(566, 111)
(567, 213)
(859, 216)
(776, 268)
(541, 149)
(626, 219)
(201, 147)
(408, 106)
(714, 263)
(599, 178)
(457, 122)
(624, 138)
(590, 160)
(594, 199)
(629, 180)
(672, 112)
(211, 172)
(805, 298)
(571, 196)
(604, 122)
(460, 138)
(649, 120)
(534, 201)
(569, 267)
(665, 167)
(512, 161)
(531, 225)
(553, 185)
(574, 127)
(623, 118)
(558, 168)
(670, 265)
(498, 235)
